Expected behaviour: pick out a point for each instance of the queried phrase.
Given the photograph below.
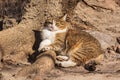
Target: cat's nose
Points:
(50, 26)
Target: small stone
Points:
(118, 39)
(118, 49)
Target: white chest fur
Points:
(47, 34)
(50, 35)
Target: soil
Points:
(109, 69)
(100, 18)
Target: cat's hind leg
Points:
(65, 64)
(91, 64)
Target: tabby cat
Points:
(73, 45)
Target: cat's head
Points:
(55, 25)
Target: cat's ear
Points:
(64, 17)
(54, 22)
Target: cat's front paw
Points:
(39, 49)
(46, 48)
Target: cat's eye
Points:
(50, 23)
(62, 23)
(58, 24)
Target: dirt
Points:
(98, 17)
(109, 69)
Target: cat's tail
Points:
(91, 65)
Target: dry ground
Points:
(109, 69)
(101, 14)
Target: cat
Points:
(48, 33)
(74, 46)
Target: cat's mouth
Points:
(51, 28)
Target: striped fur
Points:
(77, 45)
